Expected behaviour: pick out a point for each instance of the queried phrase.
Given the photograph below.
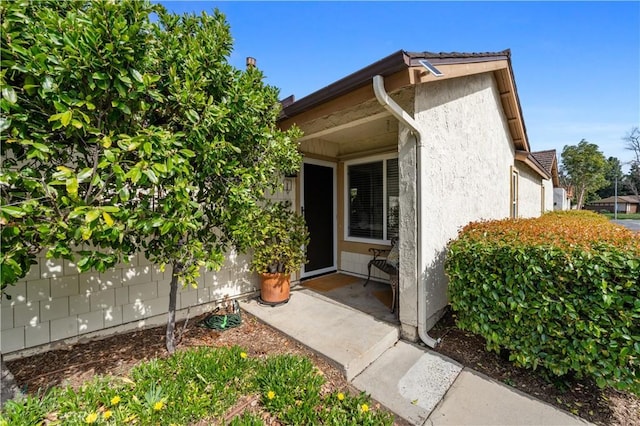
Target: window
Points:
(514, 193)
(372, 200)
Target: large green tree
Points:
(121, 134)
(586, 167)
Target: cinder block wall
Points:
(55, 305)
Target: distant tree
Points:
(614, 174)
(122, 135)
(632, 140)
(586, 168)
(632, 179)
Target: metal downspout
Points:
(397, 111)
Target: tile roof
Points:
(386, 66)
(546, 159)
(630, 199)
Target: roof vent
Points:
(251, 62)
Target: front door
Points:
(319, 210)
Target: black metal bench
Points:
(388, 264)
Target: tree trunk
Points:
(171, 320)
(8, 387)
(580, 200)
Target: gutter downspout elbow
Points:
(403, 116)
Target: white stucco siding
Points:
(548, 195)
(529, 192)
(466, 172)
(560, 201)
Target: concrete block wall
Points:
(55, 304)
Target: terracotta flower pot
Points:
(275, 288)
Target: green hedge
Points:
(559, 292)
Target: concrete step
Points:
(349, 338)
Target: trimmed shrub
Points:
(560, 292)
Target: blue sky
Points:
(576, 64)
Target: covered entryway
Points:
(319, 209)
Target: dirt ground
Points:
(581, 397)
(116, 355)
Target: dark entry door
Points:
(319, 213)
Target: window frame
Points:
(346, 192)
(515, 188)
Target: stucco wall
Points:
(529, 192)
(466, 173)
(548, 195)
(54, 304)
(560, 201)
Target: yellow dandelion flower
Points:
(91, 418)
(340, 396)
(364, 408)
(115, 400)
(158, 405)
(243, 355)
(107, 414)
(271, 394)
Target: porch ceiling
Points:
(373, 133)
(352, 129)
(363, 127)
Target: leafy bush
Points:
(282, 237)
(560, 292)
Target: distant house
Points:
(626, 204)
(549, 161)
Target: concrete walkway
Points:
(417, 384)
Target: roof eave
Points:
(397, 61)
(391, 64)
(528, 159)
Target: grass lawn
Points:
(622, 216)
(224, 385)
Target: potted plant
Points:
(281, 250)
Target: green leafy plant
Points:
(197, 385)
(559, 292)
(121, 135)
(290, 386)
(281, 241)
